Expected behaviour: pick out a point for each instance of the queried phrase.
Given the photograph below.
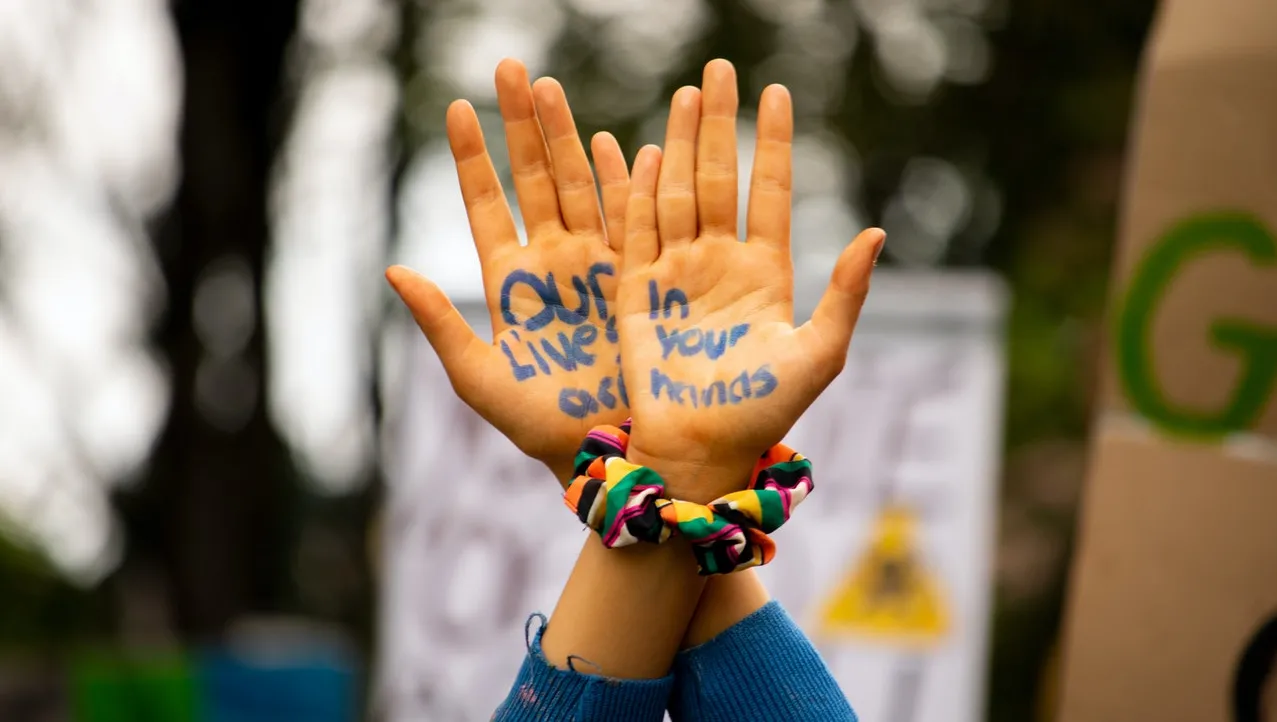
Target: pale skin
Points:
(673, 224)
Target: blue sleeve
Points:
(545, 693)
(762, 668)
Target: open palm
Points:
(715, 368)
(551, 370)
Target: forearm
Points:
(542, 691)
(725, 601)
(623, 612)
(607, 650)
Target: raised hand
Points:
(551, 370)
(715, 369)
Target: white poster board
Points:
(909, 434)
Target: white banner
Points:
(888, 568)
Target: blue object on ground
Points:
(316, 688)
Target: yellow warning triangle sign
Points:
(889, 594)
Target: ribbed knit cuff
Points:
(545, 693)
(762, 668)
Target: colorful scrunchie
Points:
(625, 503)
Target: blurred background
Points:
(199, 356)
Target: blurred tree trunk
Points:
(212, 512)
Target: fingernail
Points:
(882, 241)
(774, 96)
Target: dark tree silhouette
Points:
(213, 510)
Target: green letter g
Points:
(1256, 344)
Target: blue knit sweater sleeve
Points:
(762, 668)
(545, 693)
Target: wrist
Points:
(562, 469)
(692, 479)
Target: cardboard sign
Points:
(888, 569)
(1176, 573)
(1173, 585)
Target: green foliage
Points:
(38, 609)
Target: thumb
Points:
(445, 328)
(828, 333)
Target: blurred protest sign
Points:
(460, 578)
(1174, 578)
(890, 571)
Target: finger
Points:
(614, 181)
(447, 331)
(828, 333)
(642, 243)
(578, 199)
(529, 159)
(767, 220)
(676, 187)
(716, 184)
(490, 221)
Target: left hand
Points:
(551, 372)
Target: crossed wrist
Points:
(696, 481)
(628, 502)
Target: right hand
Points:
(716, 370)
(551, 372)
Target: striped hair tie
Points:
(625, 503)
